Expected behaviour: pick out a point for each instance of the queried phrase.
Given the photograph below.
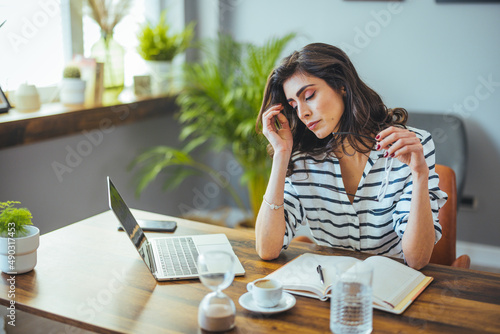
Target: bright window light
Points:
(31, 44)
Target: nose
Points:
(303, 111)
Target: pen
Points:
(320, 272)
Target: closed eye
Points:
(310, 96)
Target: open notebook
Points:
(395, 285)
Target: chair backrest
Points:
(450, 138)
(445, 250)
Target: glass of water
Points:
(351, 308)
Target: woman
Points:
(344, 164)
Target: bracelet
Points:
(273, 206)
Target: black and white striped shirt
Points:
(365, 225)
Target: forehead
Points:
(293, 84)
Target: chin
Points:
(320, 135)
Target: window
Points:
(31, 43)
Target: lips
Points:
(312, 125)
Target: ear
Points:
(342, 90)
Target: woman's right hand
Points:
(281, 139)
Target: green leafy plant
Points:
(157, 42)
(72, 71)
(219, 106)
(13, 221)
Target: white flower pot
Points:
(72, 91)
(161, 76)
(22, 251)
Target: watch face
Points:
(142, 85)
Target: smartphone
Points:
(155, 225)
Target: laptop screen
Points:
(127, 220)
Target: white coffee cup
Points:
(266, 292)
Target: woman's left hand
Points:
(403, 145)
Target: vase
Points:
(107, 51)
(18, 255)
(27, 98)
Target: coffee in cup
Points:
(266, 292)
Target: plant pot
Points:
(22, 251)
(161, 76)
(73, 91)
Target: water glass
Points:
(351, 308)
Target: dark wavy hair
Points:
(364, 114)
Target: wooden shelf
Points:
(55, 120)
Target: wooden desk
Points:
(90, 276)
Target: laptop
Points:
(168, 258)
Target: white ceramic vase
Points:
(22, 252)
(72, 91)
(27, 98)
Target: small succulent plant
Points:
(72, 71)
(13, 221)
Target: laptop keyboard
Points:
(178, 256)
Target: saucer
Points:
(286, 303)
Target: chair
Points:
(445, 250)
(450, 139)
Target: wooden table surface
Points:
(90, 276)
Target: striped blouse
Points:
(365, 225)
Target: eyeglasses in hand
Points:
(385, 182)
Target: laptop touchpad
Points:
(210, 239)
(206, 248)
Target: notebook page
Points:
(392, 280)
(301, 272)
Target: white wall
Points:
(417, 54)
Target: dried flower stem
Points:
(108, 13)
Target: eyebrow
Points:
(300, 91)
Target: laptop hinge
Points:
(152, 262)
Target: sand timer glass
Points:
(216, 311)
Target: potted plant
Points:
(218, 106)
(19, 240)
(158, 46)
(72, 87)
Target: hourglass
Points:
(216, 311)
